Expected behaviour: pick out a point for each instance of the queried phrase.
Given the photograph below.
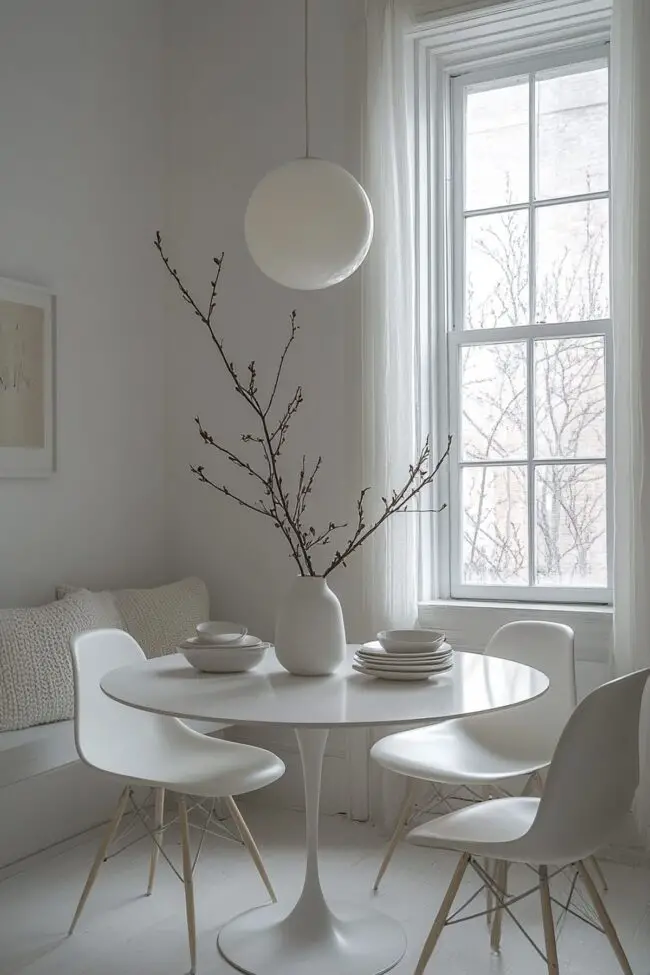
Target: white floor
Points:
(124, 933)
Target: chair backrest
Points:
(548, 647)
(105, 731)
(594, 773)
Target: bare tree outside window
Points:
(532, 410)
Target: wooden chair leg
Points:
(604, 918)
(250, 845)
(107, 839)
(159, 820)
(598, 870)
(489, 867)
(442, 914)
(549, 926)
(501, 881)
(188, 881)
(403, 817)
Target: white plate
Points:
(406, 674)
(397, 675)
(406, 669)
(246, 643)
(371, 654)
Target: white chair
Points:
(588, 793)
(484, 751)
(142, 749)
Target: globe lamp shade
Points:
(308, 224)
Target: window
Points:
(527, 330)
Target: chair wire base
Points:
(500, 901)
(141, 816)
(154, 828)
(155, 833)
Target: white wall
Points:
(81, 190)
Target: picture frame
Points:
(26, 380)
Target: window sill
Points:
(582, 609)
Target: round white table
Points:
(310, 936)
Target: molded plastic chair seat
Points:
(589, 791)
(459, 752)
(154, 749)
(489, 829)
(503, 744)
(191, 763)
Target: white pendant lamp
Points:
(309, 223)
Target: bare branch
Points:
(285, 510)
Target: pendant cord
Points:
(307, 79)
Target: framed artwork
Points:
(26, 380)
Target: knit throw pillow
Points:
(161, 618)
(36, 683)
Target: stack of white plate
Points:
(223, 648)
(408, 655)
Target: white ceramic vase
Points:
(309, 629)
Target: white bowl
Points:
(405, 641)
(218, 631)
(235, 660)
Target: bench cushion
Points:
(161, 618)
(36, 685)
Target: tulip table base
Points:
(311, 937)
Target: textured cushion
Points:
(161, 618)
(36, 685)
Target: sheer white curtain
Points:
(390, 566)
(631, 317)
(389, 351)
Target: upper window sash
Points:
(456, 175)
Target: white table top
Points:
(269, 695)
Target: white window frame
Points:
(439, 282)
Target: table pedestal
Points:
(311, 938)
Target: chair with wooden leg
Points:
(589, 791)
(159, 832)
(487, 750)
(141, 749)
